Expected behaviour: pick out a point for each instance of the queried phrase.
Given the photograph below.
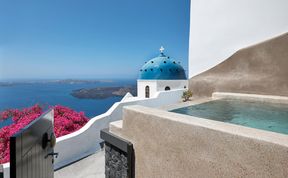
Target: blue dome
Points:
(162, 68)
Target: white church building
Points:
(161, 73)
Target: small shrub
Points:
(187, 95)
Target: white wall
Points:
(85, 141)
(141, 84)
(218, 28)
(173, 84)
(159, 85)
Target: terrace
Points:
(143, 138)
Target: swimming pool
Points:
(266, 116)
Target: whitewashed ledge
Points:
(5, 169)
(254, 97)
(86, 141)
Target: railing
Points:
(86, 140)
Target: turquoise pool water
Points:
(265, 116)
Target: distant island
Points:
(103, 92)
(65, 81)
(73, 81)
(6, 84)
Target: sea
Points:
(25, 94)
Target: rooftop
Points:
(162, 67)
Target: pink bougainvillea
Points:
(65, 121)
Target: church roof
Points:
(162, 68)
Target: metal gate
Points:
(31, 149)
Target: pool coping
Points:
(254, 97)
(193, 101)
(226, 95)
(248, 132)
(258, 134)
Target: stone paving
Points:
(91, 167)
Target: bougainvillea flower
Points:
(66, 121)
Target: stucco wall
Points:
(159, 85)
(173, 84)
(141, 84)
(173, 145)
(218, 28)
(258, 69)
(88, 138)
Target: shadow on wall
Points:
(258, 69)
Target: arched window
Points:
(147, 92)
(167, 88)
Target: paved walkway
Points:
(90, 167)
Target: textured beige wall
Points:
(218, 28)
(170, 145)
(259, 69)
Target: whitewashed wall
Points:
(173, 84)
(218, 28)
(159, 85)
(86, 141)
(141, 84)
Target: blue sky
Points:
(89, 38)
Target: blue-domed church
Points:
(161, 73)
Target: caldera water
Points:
(25, 94)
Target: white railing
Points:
(86, 140)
